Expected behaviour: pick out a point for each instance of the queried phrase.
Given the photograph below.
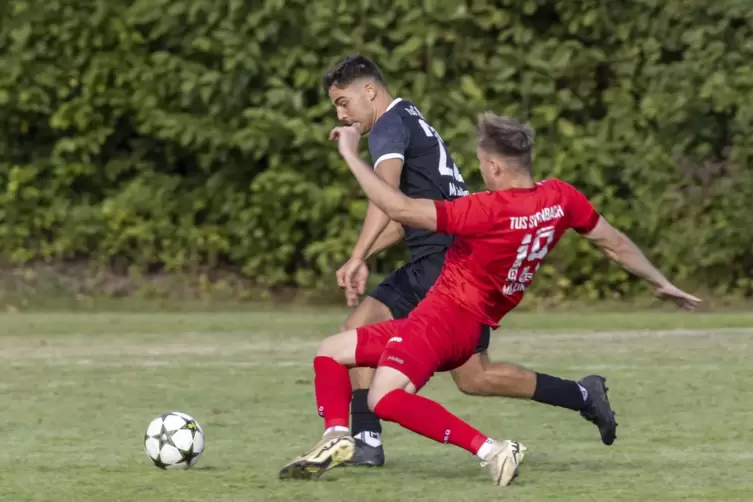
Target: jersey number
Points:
(533, 248)
(445, 168)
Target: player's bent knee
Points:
(340, 347)
(326, 348)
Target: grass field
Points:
(78, 390)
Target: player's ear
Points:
(497, 166)
(370, 90)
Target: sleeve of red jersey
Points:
(468, 215)
(582, 217)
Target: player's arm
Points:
(388, 143)
(391, 235)
(376, 221)
(418, 213)
(622, 250)
(469, 215)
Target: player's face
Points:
(354, 104)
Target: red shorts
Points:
(437, 335)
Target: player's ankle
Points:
(335, 430)
(560, 392)
(485, 449)
(365, 424)
(371, 438)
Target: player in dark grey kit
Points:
(407, 153)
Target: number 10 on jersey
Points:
(533, 248)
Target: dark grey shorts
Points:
(405, 287)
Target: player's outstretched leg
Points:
(392, 397)
(597, 410)
(478, 376)
(588, 396)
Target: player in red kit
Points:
(503, 235)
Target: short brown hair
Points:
(349, 69)
(506, 137)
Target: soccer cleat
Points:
(598, 411)
(503, 461)
(333, 450)
(366, 455)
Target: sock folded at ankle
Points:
(559, 392)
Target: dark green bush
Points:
(172, 134)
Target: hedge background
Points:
(166, 135)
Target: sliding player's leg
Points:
(406, 365)
(481, 377)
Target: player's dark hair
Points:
(506, 137)
(349, 69)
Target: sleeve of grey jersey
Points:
(388, 139)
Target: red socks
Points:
(333, 390)
(428, 418)
(415, 413)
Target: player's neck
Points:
(382, 102)
(517, 183)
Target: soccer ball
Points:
(174, 441)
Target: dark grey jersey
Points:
(428, 169)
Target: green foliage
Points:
(173, 134)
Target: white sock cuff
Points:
(336, 428)
(485, 448)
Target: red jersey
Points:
(502, 238)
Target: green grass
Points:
(78, 390)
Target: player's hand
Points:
(680, 297)
(347, 138)
(352, 277)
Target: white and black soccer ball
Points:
(174, 441)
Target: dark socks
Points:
(558, 392)
(363, 419)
